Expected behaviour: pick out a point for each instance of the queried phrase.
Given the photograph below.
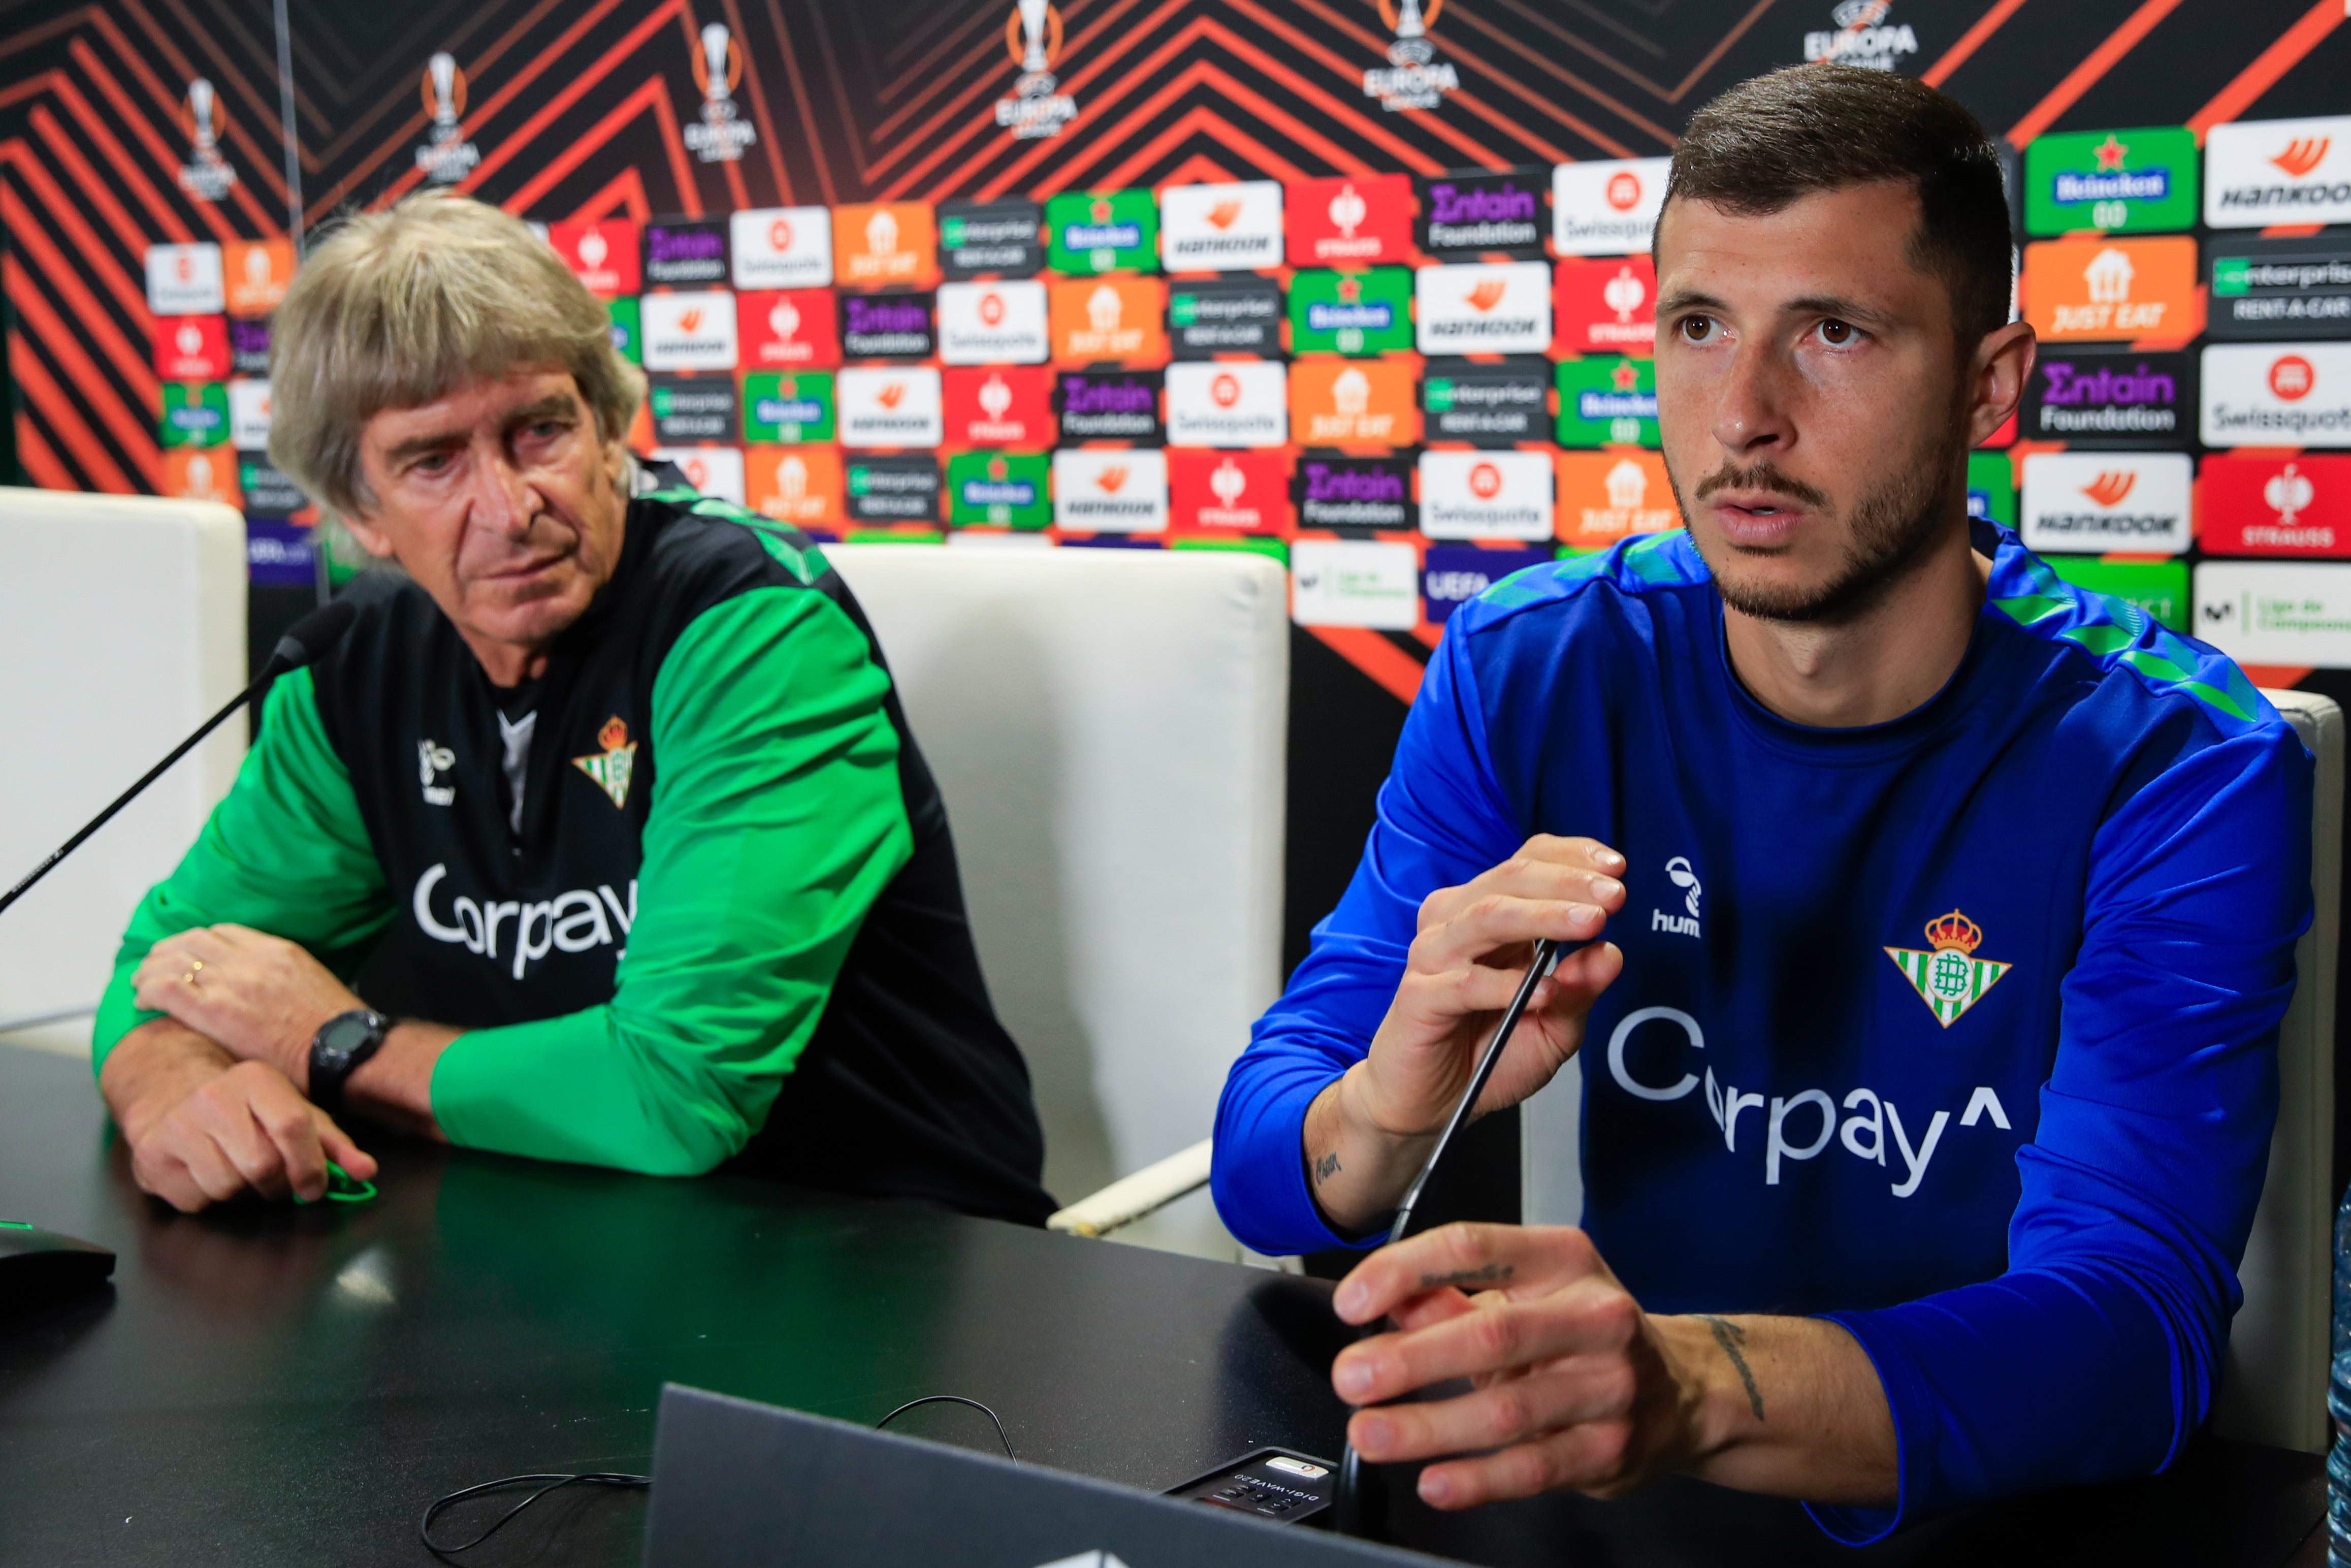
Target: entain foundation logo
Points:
(1038, 107)
(722, 132)
(1863, 35)
(1416, 77)
(206, 176)
(446, 156)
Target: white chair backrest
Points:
(121, 629)
(2274, 1384)
(1108, 728)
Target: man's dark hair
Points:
(1768, 142)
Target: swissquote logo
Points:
(781, 248)
(433, 759)
(1415, 79)
(1863, 35)
(1678, 872)
(184, 279)
(1606, 208)
(2265, 396)
(206, 176)
(446, 156)
(1947, 974)
(573, 922)
(609, 768)
(722, 132)
(1038, 107)
(2264, 171)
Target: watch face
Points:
(345, 1033)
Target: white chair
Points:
(1108, 728)
(2273, 1382)
(121, 629)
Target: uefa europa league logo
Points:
(1032, 37)
(446, 156)
(721, 134)
(206, 175)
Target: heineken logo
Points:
(612, 767)
(1949, 978)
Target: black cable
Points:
(555, 1483)
(953, 1399)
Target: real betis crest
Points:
(611, 768)
(1950, 978)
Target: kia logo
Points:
(1624, 190)
(1489, 294)
(2110, 486)
(779, 235)
(1485, 481)
(891, 395)
(991, 309)
(2292, 377)
(1226, 389)
(1223, 213)
(1110, 479)
(2303, 155)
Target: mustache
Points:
(1763, 476)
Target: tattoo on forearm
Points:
(1326, 1168)
(1730, 1337)
(1491, 1274)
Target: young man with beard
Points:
(1938, 918)
(600, 836)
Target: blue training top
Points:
(1960, 1030)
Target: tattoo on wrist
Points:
(1730, 1337)
(1326, 1168)
(1491, 1274)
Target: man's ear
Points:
(372, 539)
(2002, 364)
(616, 465)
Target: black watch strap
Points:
(342, 1045)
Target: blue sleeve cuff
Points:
(1259, 1173)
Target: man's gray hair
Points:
(401, 308)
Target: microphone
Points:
(1351, 1513)
(310, 636)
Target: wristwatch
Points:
(341, 1044)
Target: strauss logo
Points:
(2292, 377)
(995, 397)
(1485, 481)
(1109, 480)
(2303, 155)
(190, 340)
(2110, 486)
(1226, 389)
(784, 319)
(1348, 210)
(991, 309)
(593, 249)
(2288, 492)
(779, 235)
(1623, 294)
(892, 394)
(1489, 294)
(1227, 482)
(1624, 191)
(1222, 215)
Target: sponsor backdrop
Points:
(1358, 284)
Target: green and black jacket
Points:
(725, 922)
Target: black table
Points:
(271, 1386)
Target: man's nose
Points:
(1751, 406)
(502, 498)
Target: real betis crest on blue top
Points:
(611, 768)
(1949, 978)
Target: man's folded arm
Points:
(285, 852)
(2098, 1352)
(778, 819)
(1441, 821)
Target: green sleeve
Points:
(285, 852)
(776, 821)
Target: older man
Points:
(600, 838)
